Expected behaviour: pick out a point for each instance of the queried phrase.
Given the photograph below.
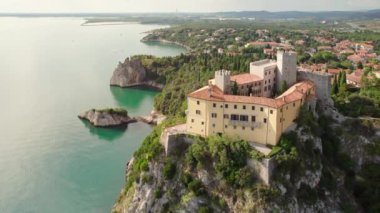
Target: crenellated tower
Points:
(223, 80)
(287, 68)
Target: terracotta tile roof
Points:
(245, 78)
(334, 71)
(355, 58)
(294, 93)
(355, 76)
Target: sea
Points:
(52, 69)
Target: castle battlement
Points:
(223, 72)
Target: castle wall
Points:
(322, 83)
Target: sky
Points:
(75, 6)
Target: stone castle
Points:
(243, 105)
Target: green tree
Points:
(343, 80)
(235, 89)
(360, 65)
(335, 86)
(284, 86)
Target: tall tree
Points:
(335, 86)
(235, 89)
(284, 86)
(343, 80)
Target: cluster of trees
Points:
(339, 83)
(351, 102)
(227, 156)
(186, 73)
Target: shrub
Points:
(204, 209)
(158, 193)
(169, 169)
(196, 187)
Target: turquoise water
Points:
(51, 69)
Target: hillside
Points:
(320, 166)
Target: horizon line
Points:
(191, 12)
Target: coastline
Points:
(164, 41)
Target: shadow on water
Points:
(131, 98)
(108, 134)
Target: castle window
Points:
(261, 109)
(253, 118)
(243, 128)
(294, 104)
(213, 115)
(265, 120)
(203, 123)
(198, 112)
(214, 105)
(269, 80)
(243, 117)
(197, 102)
(252, 128)
(281, 110)
(243, 106)
(234, 117)
(253, 107)
(234, 127)
(226, 106)
(213, 125)
(235, 106)
(225, 126)
(226, 116)
(271, 111)
(192, 120)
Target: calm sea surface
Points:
(51, 69)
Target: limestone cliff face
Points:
(106, 118)
(132, 73)
(310, 185)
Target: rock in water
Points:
(132, 73)
(107, 117)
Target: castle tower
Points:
(287, 68)
(223, 80)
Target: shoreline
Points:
(164, 41)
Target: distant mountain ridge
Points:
(302, 14)
(263, 14)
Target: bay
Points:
(51, 69)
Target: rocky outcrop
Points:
(153, 118)
(107, 117)
(132, 73)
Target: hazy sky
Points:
(181, 5)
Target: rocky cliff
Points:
(132, 73)
(107, 117)
(314, 173)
